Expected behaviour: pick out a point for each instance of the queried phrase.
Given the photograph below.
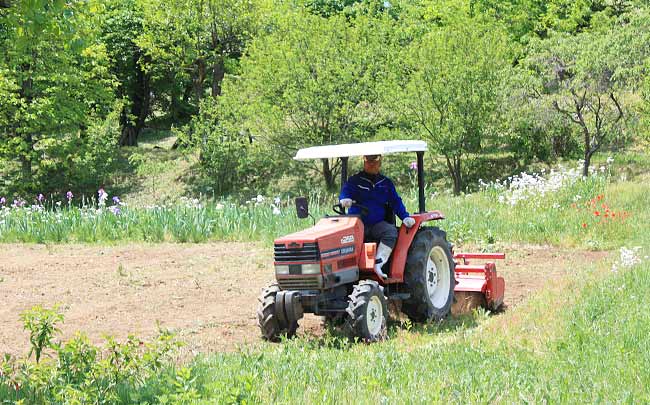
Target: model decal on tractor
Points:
(328, 254)
(425, 276)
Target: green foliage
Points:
(584, 77)
(149, 168)
(79, 372)
(191, 45)
(537, 18)
(231, 162)
(41, 324)
(453, 94)
(314, 81)
(54, 83)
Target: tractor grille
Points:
(307, 253)
(300, 283)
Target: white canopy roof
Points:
(360, 149)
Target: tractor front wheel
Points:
(272, 324)
(429, 276)
(367, 312)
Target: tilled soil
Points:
(207, 293)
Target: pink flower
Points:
(413, 166)
(3, 201)
(40, 198)
(69, 195)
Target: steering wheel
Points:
(338, 208)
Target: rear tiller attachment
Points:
(477, 284)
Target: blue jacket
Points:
(373, 192)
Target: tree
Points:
(585, 77)
(191, 44)
(123, 22)
(53, 80)
(315, 81)
(526, 19)
(453, 93)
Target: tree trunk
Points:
(588, 150)
(140, 103)
(26, 166)
(328, 174)
(218, 72)
(128, 136)
(454, 168)
(198, 80)
(585, 165)
(26, 89)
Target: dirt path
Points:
(207, 293)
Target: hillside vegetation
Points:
(240, 85)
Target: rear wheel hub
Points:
(438, 280)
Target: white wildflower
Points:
(628, 258)
(260, 198)
(276, 210)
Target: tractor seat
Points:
(389, 217)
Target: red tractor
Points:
(328, 269)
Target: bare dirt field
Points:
(207, 293)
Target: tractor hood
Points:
(329, 233)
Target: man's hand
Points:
(408, 222)
(346, 202)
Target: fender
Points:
(404, 240)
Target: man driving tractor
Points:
(374, 191)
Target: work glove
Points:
(346, 202)
(408, 222)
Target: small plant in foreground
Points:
(79, 372)
(41, 324)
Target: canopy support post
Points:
(421, 207)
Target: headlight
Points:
(311, 268)
(281, 269)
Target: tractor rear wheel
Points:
(429, 276)
(272, 324)
(367, 312)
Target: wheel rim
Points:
(438, 280)
(374, 315)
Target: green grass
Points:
(599, 356)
